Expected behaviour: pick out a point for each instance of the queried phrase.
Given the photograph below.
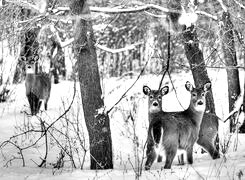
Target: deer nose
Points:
(155, 104)
(200, 103)
(29, 67)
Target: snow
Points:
(127, 133)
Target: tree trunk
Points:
(20, 66)
(242, 128)
(97, 123)
(193, 53)
(229, 53)
(197, 64)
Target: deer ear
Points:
(164, 90)
(207, 86)
(146, 90)
(188, 86)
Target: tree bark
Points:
(229, 52)
(197, 64)
(242, 128)
(193, 53)
(97, 122)
(19, 73)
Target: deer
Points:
(38, 87)
(171, 131)
(208, 136)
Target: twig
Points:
(141, 72)
(43, 163)
(113, 51)
(175, 90)
(240, 4)
(222, 5)
(168, 57)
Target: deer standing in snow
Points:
(170, 131)
(38, 87)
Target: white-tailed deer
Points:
(38, 87)
(170, 131)
(208, 136)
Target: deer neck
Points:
(153, 114)
(196, 115)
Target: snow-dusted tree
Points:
(230, 59)
(192, 50)
(97, 121)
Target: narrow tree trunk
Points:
(229, 53)
(97, 123)
(20, 66)
(242, 128)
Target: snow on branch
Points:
(239, 4)
(104, 48)
(238, 107)
(39, 7)
(129, 10)
(113, 51)
(215, 18)
(109, 10)
(223, 5)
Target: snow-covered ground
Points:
(125, 133)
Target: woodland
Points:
(104, 51)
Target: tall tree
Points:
(229, 53)
(97, 122)
(192, 52)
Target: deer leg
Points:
(151, 155)
(170, 154)
(36, 104)
(159, 158)
(46, 105)
(208, 146)
(181, 159)
(190, 155)
(39, 105)
(30, 100)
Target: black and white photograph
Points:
(122, 90)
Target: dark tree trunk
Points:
(242, 128)
(193, 53)
(229, 53)
(197, 64)
(19, 73)
(97, 122)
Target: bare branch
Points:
(223, 5)
(239, 4)
(26, 5)
(215, 18)
(113, 51)
(142, 71)
(129, 10)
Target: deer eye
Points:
(160, 97)
(151, 96)
(203, 94)
(194, 94)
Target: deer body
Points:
(208, 134)
(38, 87)
(171, 131)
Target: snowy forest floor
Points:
(129, 122)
